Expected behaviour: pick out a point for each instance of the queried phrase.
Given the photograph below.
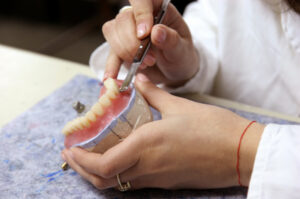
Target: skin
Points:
(172, 59)
(193, 146)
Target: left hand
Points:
(172, 57)
(193, 146)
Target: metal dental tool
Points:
(143, 48)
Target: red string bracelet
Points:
(238, 152)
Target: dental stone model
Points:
(110, 120)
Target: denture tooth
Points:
(112, 90)
(109, 82)
(111, 94)
(91, 116)
(105, 101)
(71, 126)
(69, 131)
(115, 89)
(78, 124)
(75, 126)
(66, 130)
(85, 122)
(97, 109)
(112, 85)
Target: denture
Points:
(111, 119)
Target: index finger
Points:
(113, 64)
(143, 14)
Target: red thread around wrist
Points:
(238, 153)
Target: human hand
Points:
(193, 146)
(172, 58)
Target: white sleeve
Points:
(202, 19)
(276, 172)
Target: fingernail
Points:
(142, 78)
(162, 35)
(63, 156)
(69, 153)
(141, 30)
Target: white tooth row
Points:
(112, 90)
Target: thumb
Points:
(168, 40)
(155, 96)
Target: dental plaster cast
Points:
(110, 120)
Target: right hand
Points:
(172, 58)
(194, 145)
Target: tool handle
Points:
(142, 51)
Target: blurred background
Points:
(68, 29)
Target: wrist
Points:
(248, 150)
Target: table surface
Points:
(27, 77)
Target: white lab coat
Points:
(250, 52)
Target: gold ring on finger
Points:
(123, 186)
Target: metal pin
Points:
(78, 106)
(65, 166)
